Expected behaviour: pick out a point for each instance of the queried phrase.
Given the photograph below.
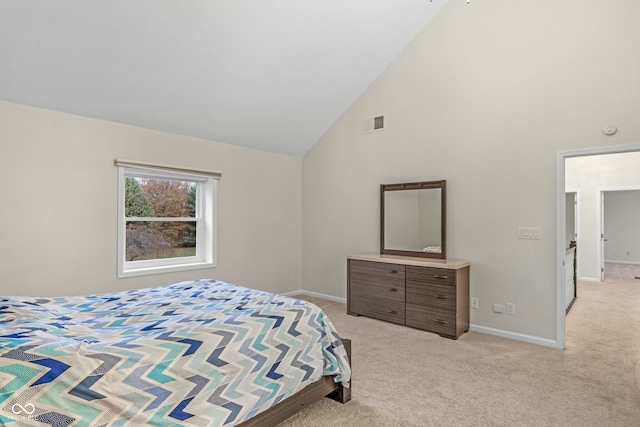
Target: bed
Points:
(201, 353)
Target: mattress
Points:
(202, 353)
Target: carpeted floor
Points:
(407, 377)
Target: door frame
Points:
(561, 156)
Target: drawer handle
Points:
(441, 297)
(393, 271)
(392, 289)
(440, 276)
(392, 311)
(440, 321)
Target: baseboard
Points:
(317, 295)
(514, 336)
(615, 261)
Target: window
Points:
(166, 219)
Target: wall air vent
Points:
(373, 124)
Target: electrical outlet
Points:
(497, 308)
(474, 303)
(511, 308)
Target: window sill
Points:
(145, 271)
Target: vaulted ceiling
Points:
(268, 74)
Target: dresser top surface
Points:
(406, 260)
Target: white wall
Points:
(58, 218)
(591, 175)
(484, 97)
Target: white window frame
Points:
(206, 223)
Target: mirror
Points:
(413, 219)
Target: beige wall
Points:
(485, 97)
(58, 215)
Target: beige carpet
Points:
(407, 377)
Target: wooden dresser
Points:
(427, 294)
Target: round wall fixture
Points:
(610, 129)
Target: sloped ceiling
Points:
(268, 74)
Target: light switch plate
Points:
(529, 233)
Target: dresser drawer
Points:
(436, 276)
(439, 321)
(390, 293)
(377, 272)
(389, 311)
(427, 295)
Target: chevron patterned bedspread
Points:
(197, 353)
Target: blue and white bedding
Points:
(201, 353)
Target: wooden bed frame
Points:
(326, 387)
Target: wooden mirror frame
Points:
(442, 185)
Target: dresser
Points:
(428, 294)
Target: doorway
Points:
(620, 232)
(588, 242)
